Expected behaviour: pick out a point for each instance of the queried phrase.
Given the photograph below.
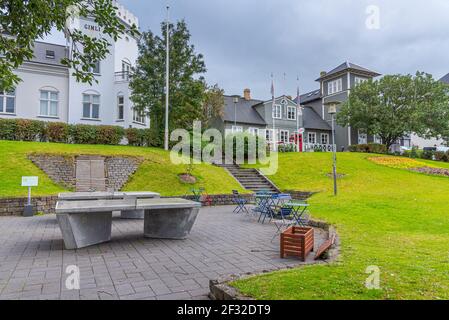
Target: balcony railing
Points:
(122, 76)
(317, 147)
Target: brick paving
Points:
(33, 260)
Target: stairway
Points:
(250, 179)
(90, 174)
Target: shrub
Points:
(237, 148)
(57, 132)
(136, 137)
(368, 148)
(8, 129)
(29, 130)
(288, 147)
(83, 134)
(442, 156)
(427, 154)
(111, 135)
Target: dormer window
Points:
(50, 54)
(335, 86)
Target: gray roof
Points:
(312, 120)
(349, 66)
(40, 53)
(445, 79)
(310, 96)
(245, 111)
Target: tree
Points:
(397, 105)
(23, 22)
(189, 92)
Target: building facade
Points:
(49, 92)
(281, 122)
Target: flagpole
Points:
(167, 76)
(273, 113)
(298, 102)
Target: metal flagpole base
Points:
(28, 211)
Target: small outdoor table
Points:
(298, 210)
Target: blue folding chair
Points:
(240, 202)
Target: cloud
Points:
(245, 41)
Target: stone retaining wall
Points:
(118, 171)
(60, 169)
(46, 205)
(15, 206)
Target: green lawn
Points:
(157, 173)
(390, 218)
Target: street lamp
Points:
(236, 100)
(332, 110)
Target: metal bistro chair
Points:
(283, 220)
(240, 202)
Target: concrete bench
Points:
(87, 222)
(126, 214)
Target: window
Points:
(254, 131)
(139, 116)
(363, 138)
(277, 112)
(335, 86)
(236, 129)
(49, 101)
(96, 68)
(126, 70)
(120, 107)
(311, 137)
(284, 136)
(359, 80)
(49, 54)
(377, 139)
(269, 135)
(324, 138)
(91, 106)
(291, 113)
(8, 101)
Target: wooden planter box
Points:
(297, 242)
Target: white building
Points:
(49, 92)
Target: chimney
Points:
(322, 74)
(247, 94)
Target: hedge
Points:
(369, 148)
(34, 130)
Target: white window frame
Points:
(277, 111)
(311, 134)
(120, 105)
(377, 139)
(335, 86)
(327, 138)
(237, 129)
(362, 138)
(91, 105)
(284, 134)
(4, 96)
(139, 117)
(269, 136)
(254, 131)
(97, 69)
(126, 70)
(359, 80)
(290, 112)
(48, 101)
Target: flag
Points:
(272, 86)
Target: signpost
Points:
(29, 182)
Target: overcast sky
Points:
(244, 41)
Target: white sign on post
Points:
(30, 181)
(301, 131)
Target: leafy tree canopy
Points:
(24, 21)
(190, 97)
(397, 105)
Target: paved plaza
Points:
(33, 261)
